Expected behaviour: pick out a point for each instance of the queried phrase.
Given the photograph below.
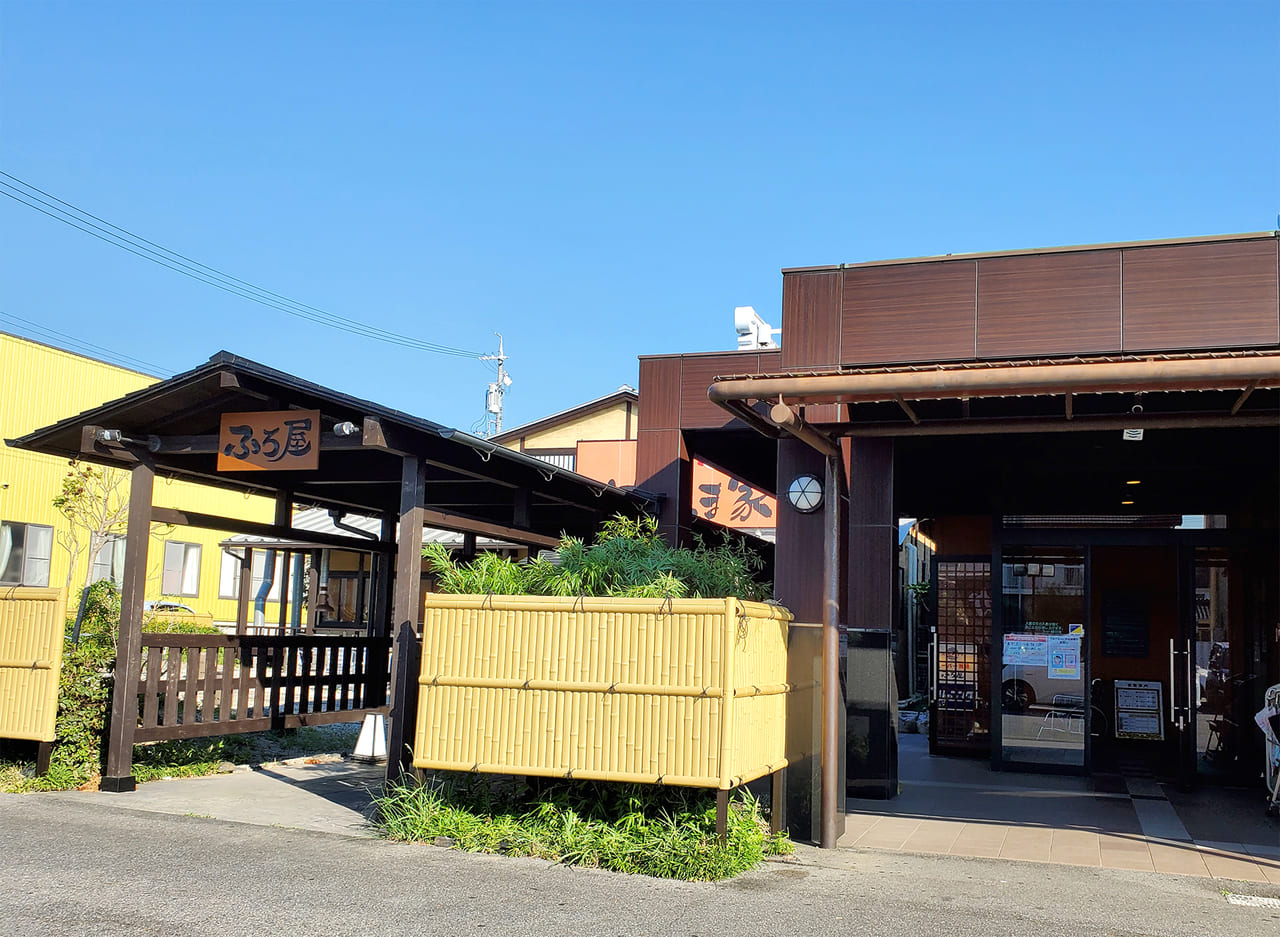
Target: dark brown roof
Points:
(466, 476)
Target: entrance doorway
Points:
(1044, 679)
(1134, 653)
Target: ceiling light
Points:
(1134, 481)
(1126, 502)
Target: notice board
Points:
(1126, 624)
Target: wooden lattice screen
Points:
(962, 655)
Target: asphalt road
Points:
(70, 868)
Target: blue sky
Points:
(594, 181)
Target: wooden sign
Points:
(273, 440)
(725, 500)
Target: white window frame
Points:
(109, 563)
(35, 567)
(180, 573)
(229, 574)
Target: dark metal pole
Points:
(831, 701)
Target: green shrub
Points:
(667, 832)
(628, 559)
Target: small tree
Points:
(95, 503)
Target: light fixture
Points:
(805, 493)
(1133, 435)
(1134, 481)
(1126, 502)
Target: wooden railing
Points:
(199, 685)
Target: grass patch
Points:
(667, 832)
(184, 759)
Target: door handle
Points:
(1173, 716)
(933, 669)
(1191, 681)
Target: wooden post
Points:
(118, 776)
(722, 815)
(313, 593)
(283, 518)
(380, 616)
(285, 585)
(406, 614)
(778, 802)
(361, 592)
(520, 509)
(242, 598)
(43, 751)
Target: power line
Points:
(180, 263)
(62, 339)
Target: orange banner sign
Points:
(273, 440)
(723, 499)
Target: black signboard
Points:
(1126, 624)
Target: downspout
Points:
(264, 590)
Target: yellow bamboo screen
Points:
(32, 624)
(689, 692)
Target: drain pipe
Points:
(831, 701)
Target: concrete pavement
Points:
(73, 867)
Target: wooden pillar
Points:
(284, 586)
(405, 619)
(380, 617)
(871, 696)
(313, 593)
(873, 534)
(283, 518)
(118, 775)
(520, 509)
(242, 597)
(798, 584)
(376, 562)
(361, 616)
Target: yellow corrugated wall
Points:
(610, 689)
(40, 385)
(32, 625)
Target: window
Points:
(229, 579)
(25, 550)
(181, 568)
(109, 563)
(344, 591)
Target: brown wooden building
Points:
(1104, 599)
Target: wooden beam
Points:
(1244, 395)
(906, 408)
(271, 531)
(207, 444)
(118, 775)
(497, 531)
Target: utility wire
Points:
(99, 351)
(180, 263)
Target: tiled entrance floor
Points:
(963, 808)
